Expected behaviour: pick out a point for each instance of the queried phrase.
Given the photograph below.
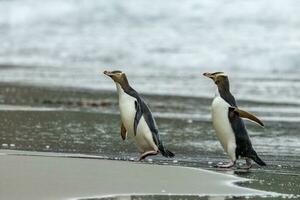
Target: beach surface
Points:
(85, 124)
(35, 176)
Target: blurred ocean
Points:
(164, 46)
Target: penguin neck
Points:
(122, 84)
(224, 92)
(122, 89)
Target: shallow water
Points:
(185, 198)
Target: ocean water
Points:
(163, 46)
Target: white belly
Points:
(127, 111)
(143, 137)
(222, 126)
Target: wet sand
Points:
(36, 176)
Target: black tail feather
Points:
(165, 152)
(168, 154)
(257, 159)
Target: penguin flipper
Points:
(123, 131)
(138, 115)
(244, 114)
(257, 159)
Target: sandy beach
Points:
(36, 176)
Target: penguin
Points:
(136, 119)
(229, 126)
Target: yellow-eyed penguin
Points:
(229, 126)
(137, 120)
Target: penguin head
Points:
(117, 76)
(220, 78)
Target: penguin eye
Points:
(217, 82)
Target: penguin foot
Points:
(248, 164)
(229, 165)
(146, 154)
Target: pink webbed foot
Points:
(248, 164)
(229, 165)
(146, 154)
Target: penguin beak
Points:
(108, 73)
(209, 75)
